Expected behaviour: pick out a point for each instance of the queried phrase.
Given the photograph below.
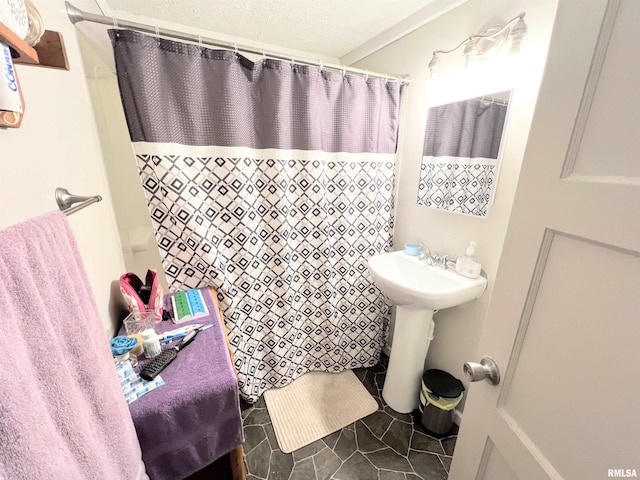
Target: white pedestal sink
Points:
(417, 290)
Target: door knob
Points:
(485, 370)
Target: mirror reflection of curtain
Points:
(273, 183)
(460, 154)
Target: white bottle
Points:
(150, 343)
(467, 264)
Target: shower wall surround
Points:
(274, 184)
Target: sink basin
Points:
(410, 282)
(417, 290)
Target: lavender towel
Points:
(194, 418)
(62, 414)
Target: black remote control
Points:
(159, 363)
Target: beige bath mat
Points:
(315, 405)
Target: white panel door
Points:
(564, 320)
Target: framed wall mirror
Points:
(462, 148)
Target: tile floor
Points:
(383, 446)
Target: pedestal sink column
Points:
(412, 334)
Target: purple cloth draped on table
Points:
(194, 418)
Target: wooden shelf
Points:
(49, 52)
(26, 53)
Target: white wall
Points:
(458, 330)
(57, 146)
(139, 246)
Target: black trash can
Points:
(441, 392)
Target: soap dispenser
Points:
(467, 264)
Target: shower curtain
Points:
(460, 156)
(272, 182)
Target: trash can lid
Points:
(442, 384)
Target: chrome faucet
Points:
(441, 259)
(426, 254)
(435, 259)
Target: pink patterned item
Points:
(130, 286)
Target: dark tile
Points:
(378, 422)
(326, 463)
(427, 465)
(271, 436)
(398, 436)
(346, 444)
(413, 476)
(384, 360)
(403, 417)
(280, 465)
(253, 435)
(446, 462)
(303, 470)
(389, 475)
(367, 442)
(258, 460)
(245, 407)
(423, 442)
(379, 381)
(370, 384)
(331, 439)
(351, 427)
(389, 460)
(360, 373)
(260, 403)
(377, 368)
(308, 450)
(257, 416)
(357, 467)
(449, 445)
(251, 477)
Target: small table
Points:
(194, 418)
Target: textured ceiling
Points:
(324, 27)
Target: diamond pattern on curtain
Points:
(285, 242)
(273, 184)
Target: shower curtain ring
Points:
(235, 47)
(366, 75)
(115, 23)
(264, 55)
(200, 41)
(157, 32)
(321, 66)
(344, 70)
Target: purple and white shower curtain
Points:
(273, 183)
(460, 156)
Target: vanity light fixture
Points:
(482, 45)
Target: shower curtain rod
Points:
(76, 15)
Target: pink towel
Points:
(62, 413)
